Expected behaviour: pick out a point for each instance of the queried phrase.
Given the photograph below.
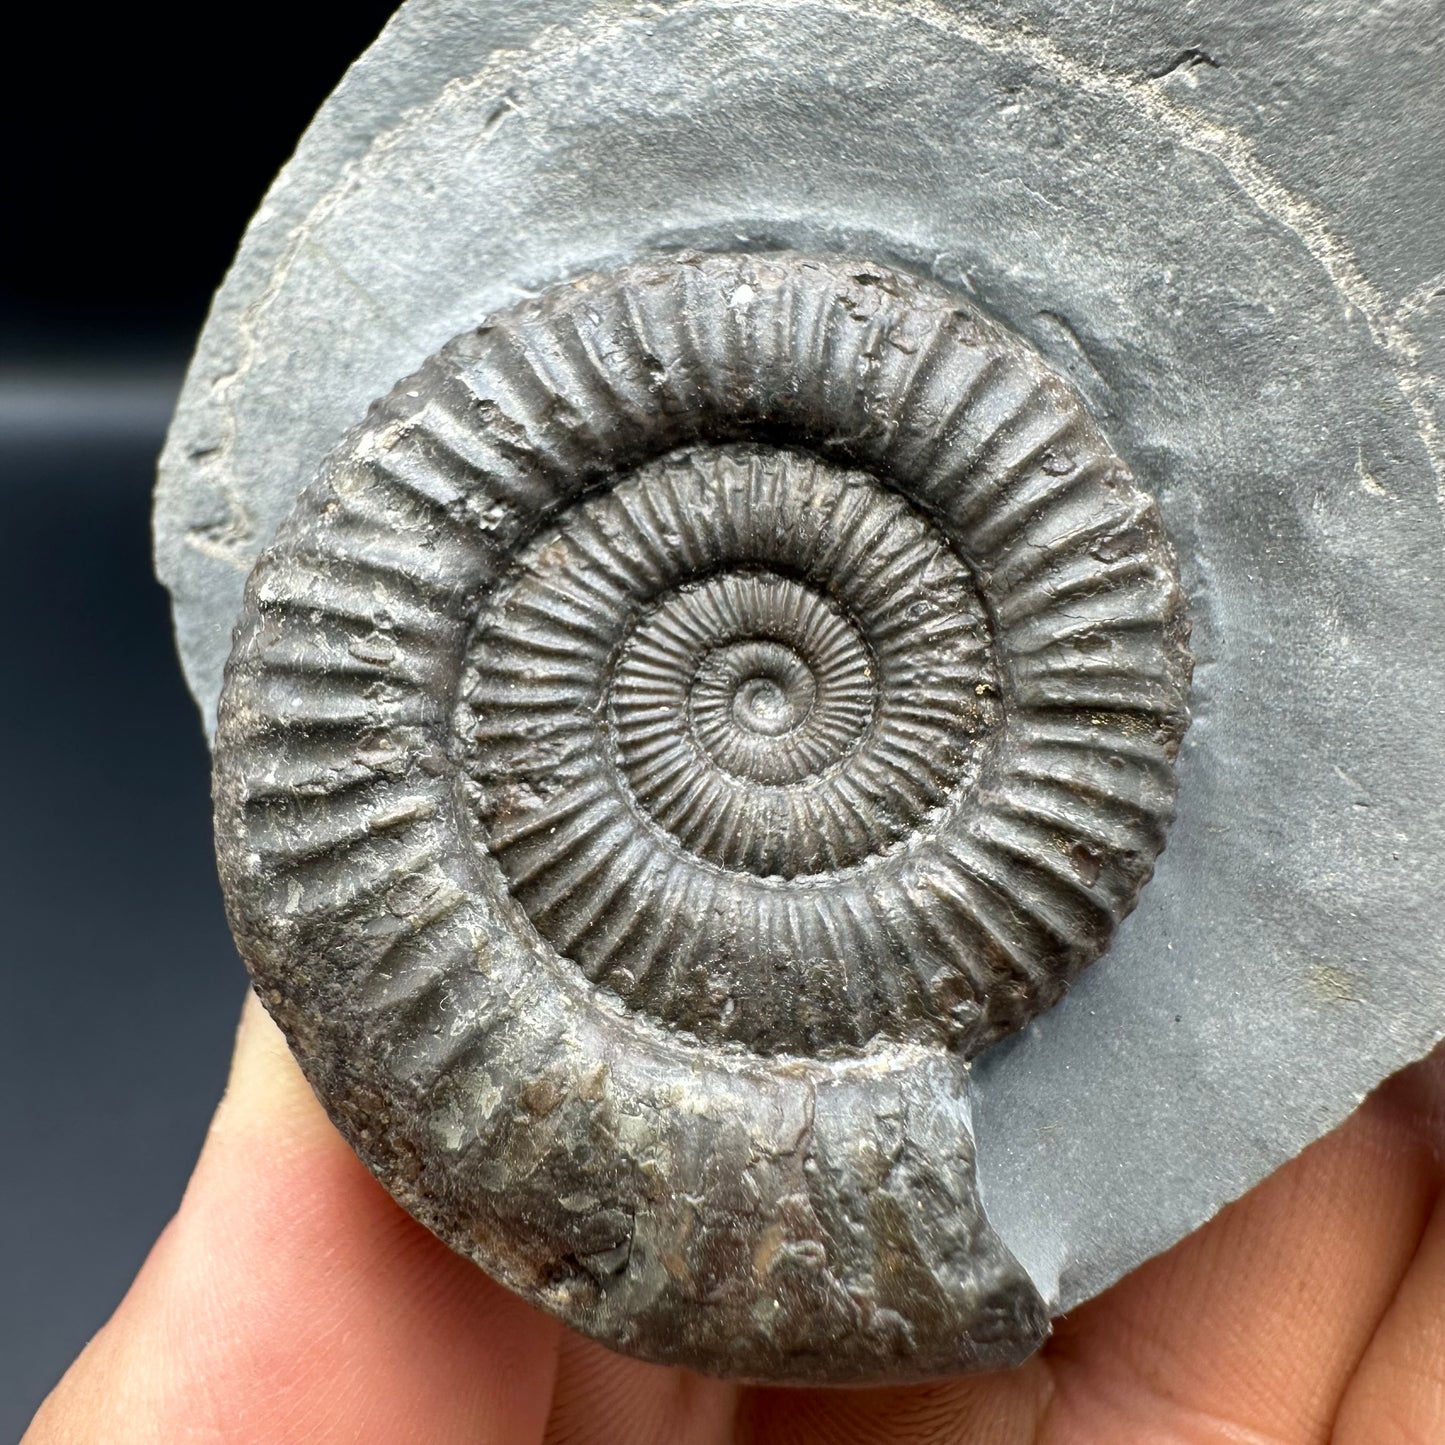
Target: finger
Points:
(1255, 1323)
(1001, 1409)
(1246, 1331)
(601, 1398)
(1397, 1395)
(291, 1300)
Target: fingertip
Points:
(266, 1089)
(292, 1300)
(312, 1281)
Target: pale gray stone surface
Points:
(1213, 223)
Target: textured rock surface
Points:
(1222, 224)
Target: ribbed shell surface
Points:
(749, 667)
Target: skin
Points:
(290, 1300)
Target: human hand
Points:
(290, 1300)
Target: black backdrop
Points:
(139, 140)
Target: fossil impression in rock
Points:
(695, 714)
(694, 766)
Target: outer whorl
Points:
(754, 662)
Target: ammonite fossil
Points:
(688, 720)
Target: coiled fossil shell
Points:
(691, 716)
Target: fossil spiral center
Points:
(778, 665)
(776, 696)
(763, 679)
(708, 693)
(762, 706)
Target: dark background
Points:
(139, 142)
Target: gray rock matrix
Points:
(1220, 254)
